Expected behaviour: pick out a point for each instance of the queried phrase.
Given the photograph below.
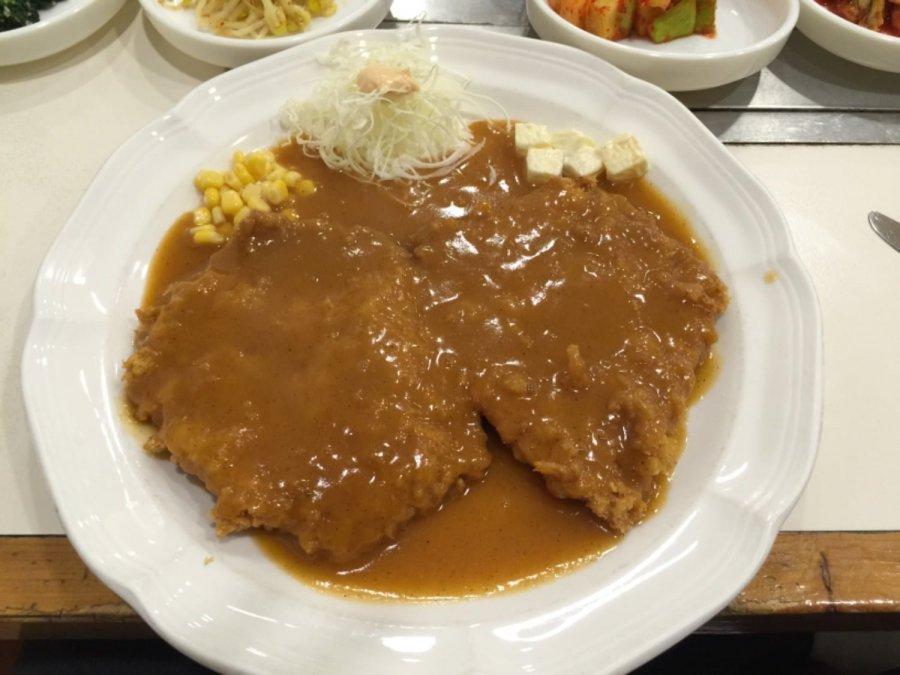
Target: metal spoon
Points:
(886, 228)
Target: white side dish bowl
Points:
(847, 40)
(60, 27)
(750, 34)
(180, 28)
(145, 531)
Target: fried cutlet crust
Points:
(296, 379)
(580, 326)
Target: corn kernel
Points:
(238, 157)
(211, 197)
(205, 227)
(218, 215)
(306, 187)
(275, 192)
(258, 164)
(240, 170)
(206, 179)
(208, 236)
(314, 6)
(232, 181)
(231, 202)
(240, 215)
(291, 178)
(202, 216)
(277, 173)
(265, 188)
(258, 204)
(251, 191)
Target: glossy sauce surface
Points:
(508, 530)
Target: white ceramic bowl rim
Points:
(851, 27)
(783, 30)
(162, 14)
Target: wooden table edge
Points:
(810, 581)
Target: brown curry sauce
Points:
(508, 530)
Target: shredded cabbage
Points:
(385, 136)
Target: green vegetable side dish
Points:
(675, 23)
(19, 13)
(658, 20)
(706, 17)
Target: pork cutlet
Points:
(296, 379)
(580, 325)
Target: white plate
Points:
(750, 34)
(180, 28)
(847, 40)
(60, 27)
(144, 529)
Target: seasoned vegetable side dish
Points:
(254, 18)
(657, 20)
(18, 13)
(878, 15)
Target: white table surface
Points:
(61, 117)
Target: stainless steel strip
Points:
(864, 128)
(509, 30)
(494, 12)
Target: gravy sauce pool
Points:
(508, 531)
(505, 532)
